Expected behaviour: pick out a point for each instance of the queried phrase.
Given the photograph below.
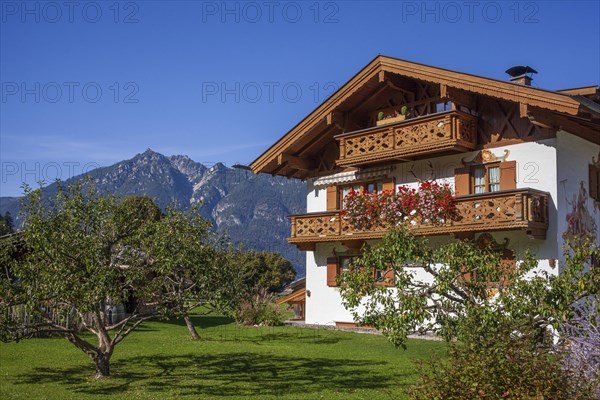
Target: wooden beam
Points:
(523, 110)
(296, 162)
(325, 135)
(306, 246)
(291, 173)
(460, 97)
(278, 168)
(443, 91)
(556, 121)
(373, 93)
(336, 119)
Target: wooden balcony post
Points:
(293, 227)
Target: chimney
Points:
(521, 74)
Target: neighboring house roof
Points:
(574, 109)
(295, 297)
(294, 292)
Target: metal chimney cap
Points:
(519, 70)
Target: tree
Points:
(444, 289)
(79, 259)
(189, 260)
(500, 313)
(6, 224)
(264, 269)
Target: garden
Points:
(230, 361)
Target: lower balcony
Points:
(521, 209)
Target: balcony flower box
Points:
(391, 120)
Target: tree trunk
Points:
(191, 327)
(102, 367)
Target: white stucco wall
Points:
(574, 156)
(316, 199)
(553, 165)
(324, 305)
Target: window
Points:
(337, 266)
(345, 190)
(486, 178)
(440, 107)
(344, 264)
(361, 187)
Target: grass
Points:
(161, 362)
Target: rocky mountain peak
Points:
(251, 208)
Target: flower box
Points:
(391, 120)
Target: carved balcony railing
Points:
(430, 134)
(521, 209)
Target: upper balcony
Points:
(444, 132)
(521, 209)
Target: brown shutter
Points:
(331, 271)
(462, 178)
(388, 278)
(332, 201)
(388, 184)
(594, 184)
(508, 175)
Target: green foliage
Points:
(189, 261)
(260, 309)
(458, 285)
(380, 115)
(504, 347)
(508, 362)
(404, 110)
(6, 224)
(85, 253)
(262, 269)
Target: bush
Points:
(260, 309)
(497, 365)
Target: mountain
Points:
(252, 209)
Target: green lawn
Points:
(160, 361)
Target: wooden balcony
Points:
(440, 133)
(521, 209)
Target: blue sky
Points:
(87, 84)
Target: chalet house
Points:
(523, 162)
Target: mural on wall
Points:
(580, 223)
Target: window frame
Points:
(486, 167)
(362, 189)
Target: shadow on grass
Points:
(231, 374)
(202, 321)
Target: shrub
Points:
(260, 309)
(497, 365)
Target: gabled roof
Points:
(373, 74)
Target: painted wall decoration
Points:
(580, 223)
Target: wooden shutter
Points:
(508, 175)
(388, 184)
(462, 181)
(331, 271)
(332, 201)
(388, 278)
(594, 183)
